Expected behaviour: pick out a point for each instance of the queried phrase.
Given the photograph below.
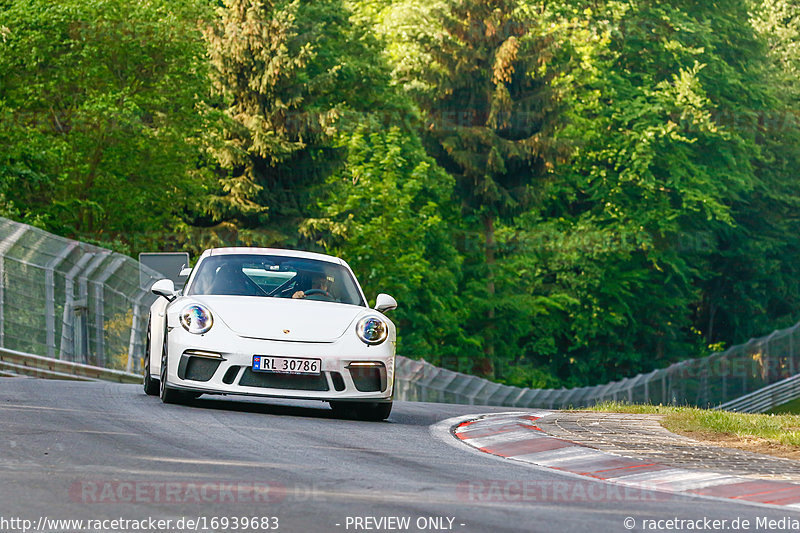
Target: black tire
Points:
(167, 394)
(367, 411)
(151, 386)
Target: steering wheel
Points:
(311, 292)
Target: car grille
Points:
(369, 379)
(338, 381)
(270, 380)
(197, 368)
(230, 375)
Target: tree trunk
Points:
(485, 365)
(712, 313)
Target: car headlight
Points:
(196, 319)
(372, 330)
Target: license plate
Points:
(286, 365)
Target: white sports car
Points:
(278, 323)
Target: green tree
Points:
(754, 284)
(100, 136)
(490, 116)
(288, 72)
(668, 190)
(388, 212)
(778, 22)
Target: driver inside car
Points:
(320, 286)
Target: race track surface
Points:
(101, 451)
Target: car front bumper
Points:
(221, 363)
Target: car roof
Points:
(244, 250)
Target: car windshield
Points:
(275, 277)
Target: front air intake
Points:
(269, 380)
(368, 378)
(197, 368)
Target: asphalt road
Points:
(100, 451)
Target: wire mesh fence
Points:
(70, 300)
(705, 382)
(77, 302)
(766, 398)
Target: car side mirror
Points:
(384, 303)
(165, 288)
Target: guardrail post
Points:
(50, 297)
(84, 294)
(724, 386)
(634, 382)
(5, 247)
(703, 392)
(767, 357)
(137, 314)
(746, 370)
(99, 319)
(516, 401)
(67, 349)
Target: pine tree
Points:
(287, 71)
(491, 115)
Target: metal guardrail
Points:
(20, 363)
(708, 382)
(70, 300)
(767, 398)
(82, 305)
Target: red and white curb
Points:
(515, 436)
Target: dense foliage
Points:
(557, 193)
(100, 134)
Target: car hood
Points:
(282, 319)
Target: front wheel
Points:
(368, 411)
(169, 395)
(151, 386)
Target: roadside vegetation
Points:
(558, 193)
(789, 408)
(766, 433)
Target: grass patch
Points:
(783, 429)
(791, 408)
